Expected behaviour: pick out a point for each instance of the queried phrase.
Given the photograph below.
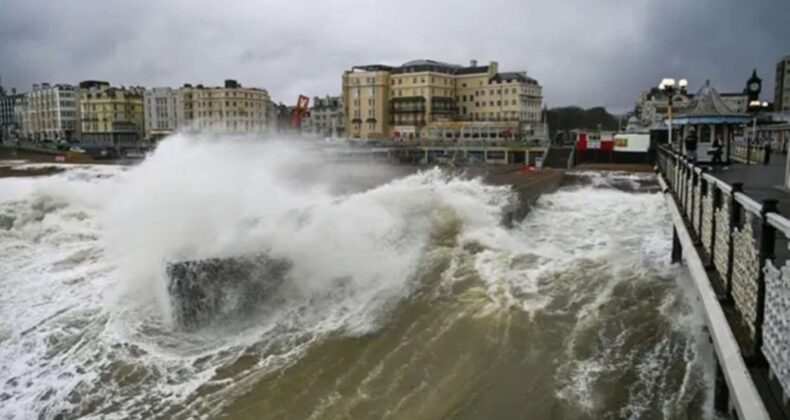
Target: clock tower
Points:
(753, 87)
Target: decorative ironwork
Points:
(721, 252)
(776, 326)
(695, 218)
(707, 219)
(727, 233)
(745, 272)
(683, 183)
(690, 199)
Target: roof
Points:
(424, 65)
(707, 107)
(426, 62)
(372, 67)
(421, 65)
(520, 76)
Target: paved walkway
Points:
(760, 181)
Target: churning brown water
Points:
(405, 301)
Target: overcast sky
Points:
(585, 52)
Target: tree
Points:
(564, 119)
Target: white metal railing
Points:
(738, 237)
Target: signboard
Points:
(632, 143)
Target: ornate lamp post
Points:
(755, 108)
(670, 87)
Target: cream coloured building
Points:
(51, 113)
(231, 108)
(426, 99)
(110, 117)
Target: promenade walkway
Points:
(760, 181)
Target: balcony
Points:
(407, 105)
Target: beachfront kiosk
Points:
(710, 118)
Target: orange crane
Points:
(299, 111)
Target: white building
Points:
(164, 112)
(51, 113)
(20, 116)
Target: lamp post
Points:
(755, 107)
(670, 87)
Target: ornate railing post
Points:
(767, 253)
(721, 395)
(748, 153)
(689, 181)
(735, 221)
(703, 191)
(692, 199)
(685, 184)
(677, 248)
(715, 221)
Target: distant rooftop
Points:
(520, 76)
(707, 102)
(707, 107)
(427, 65)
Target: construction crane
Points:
(299, 111)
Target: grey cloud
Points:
(583, 52)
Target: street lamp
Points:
(670, 87)
(755, 107)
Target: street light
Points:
(755, 107)
(668, 85)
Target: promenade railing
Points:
(745, 152)
(739, 239)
